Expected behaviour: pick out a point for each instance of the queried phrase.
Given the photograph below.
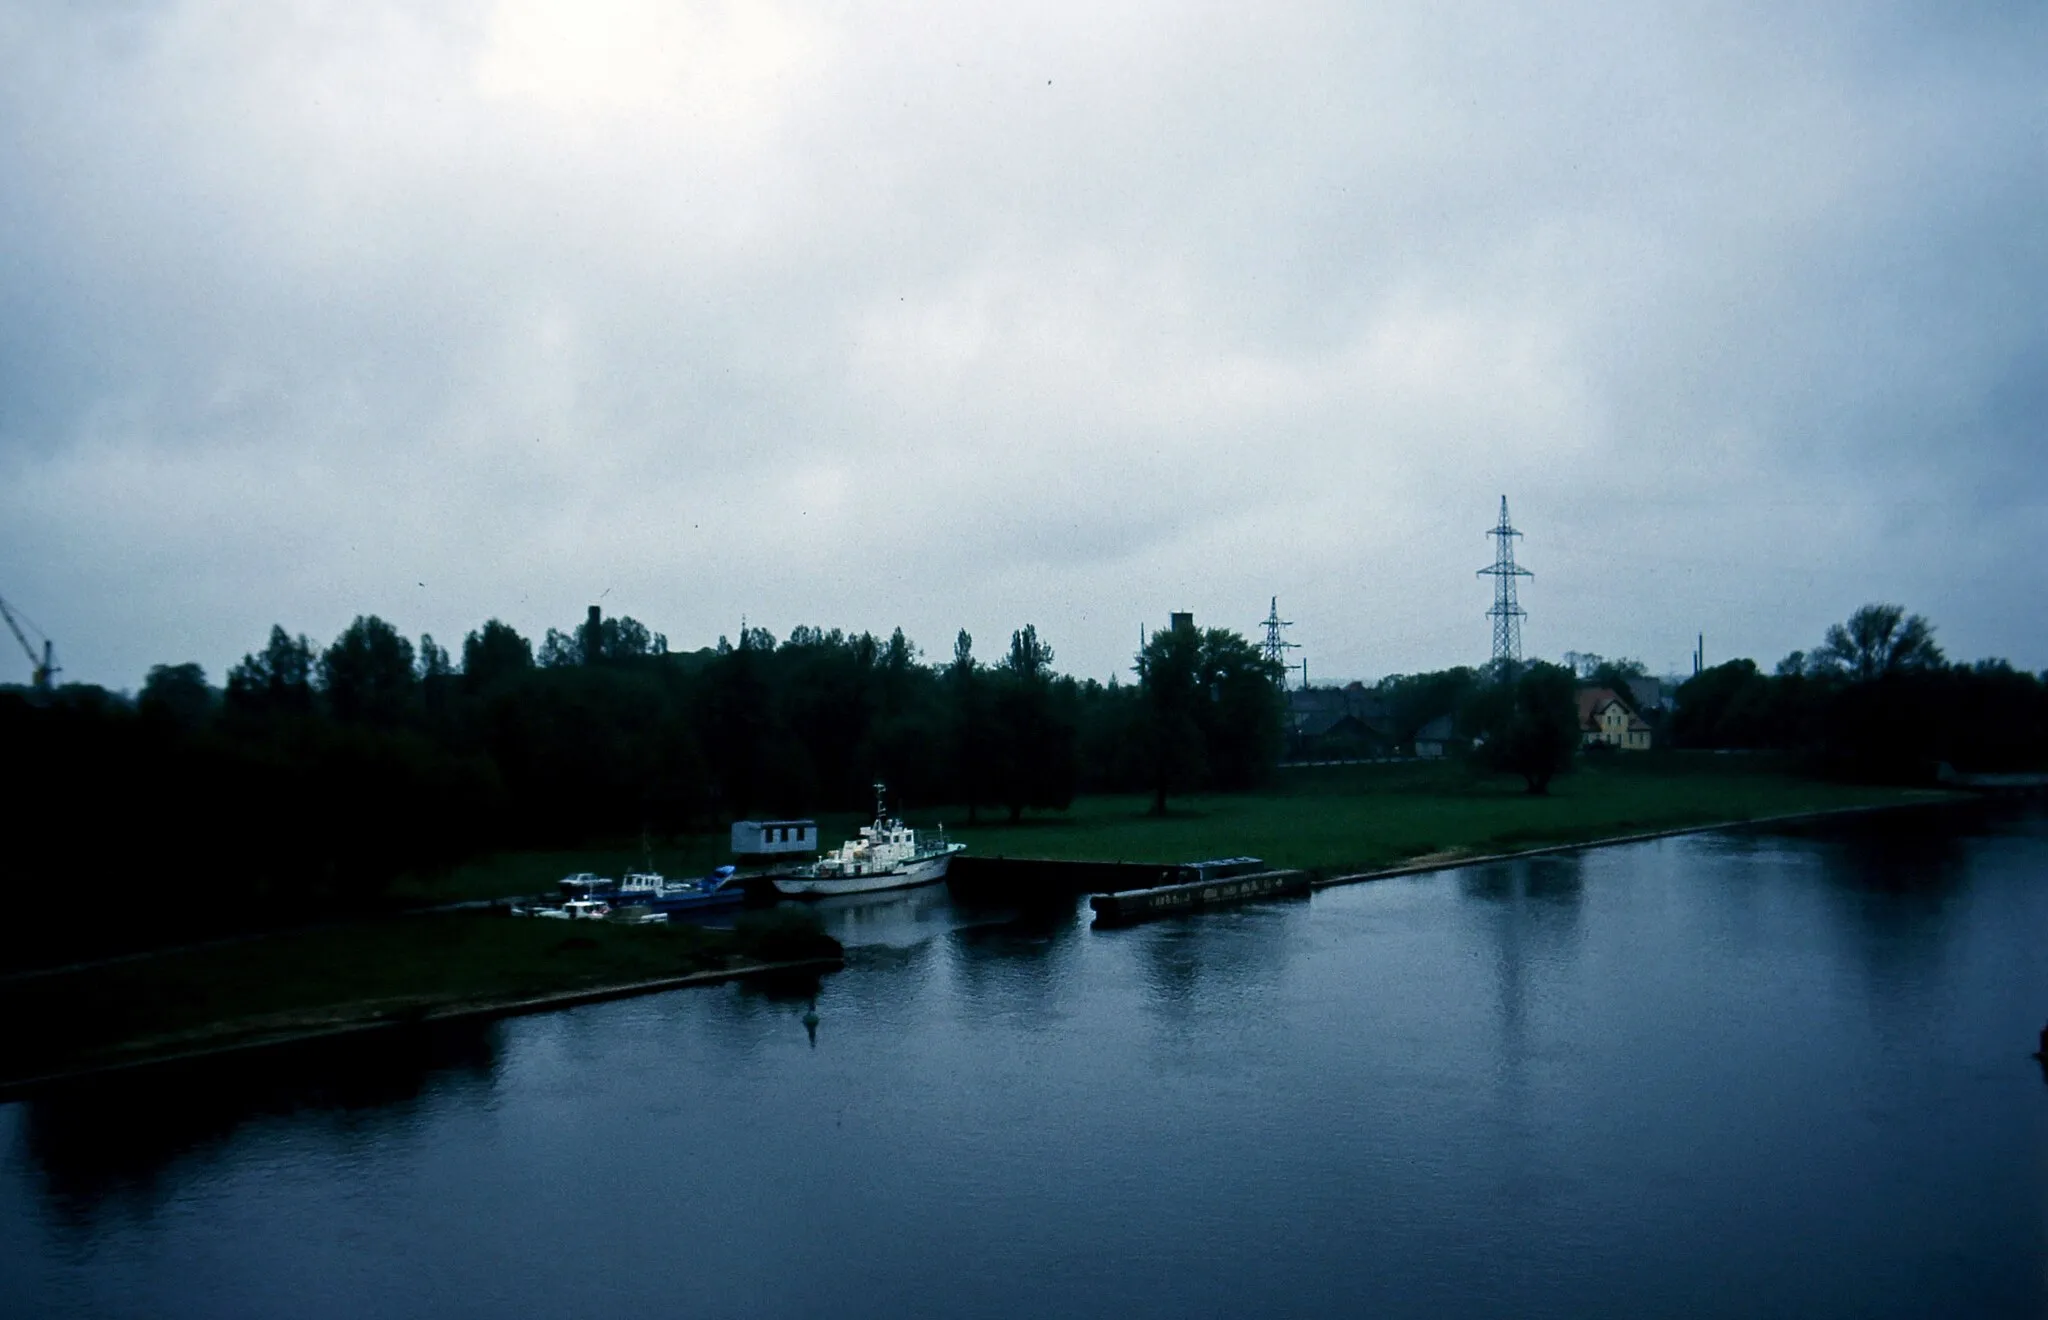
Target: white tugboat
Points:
(887, 855)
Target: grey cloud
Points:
(1071, 316)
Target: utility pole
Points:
(1507, 614)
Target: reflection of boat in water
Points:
(887, 855)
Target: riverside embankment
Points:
(364, 976)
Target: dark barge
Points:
(1205, 891)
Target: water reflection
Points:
(1205, 967)
(894, 916)
(104, 1142)
(1530, 910)
(1897, 883)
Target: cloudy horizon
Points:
(974, 318)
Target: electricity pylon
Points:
(1507, 614)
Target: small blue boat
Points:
(652, 891)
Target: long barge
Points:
(1131, 905)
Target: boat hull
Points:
(924, 871)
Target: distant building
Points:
(1605, 718)
(1649, 694)
(1437, 739)
(774, 838)
(1337, 723)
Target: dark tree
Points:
(1530, 724)
(1034, 765)
(1880, 641)
(278, 680)
(1242, 711)
(494, 654)
(1413, 700)
(434, 661)
(621, 637)
(177, 695)
(368, 674)
(1170, 677)
(971, 723)
(741, 721)
(559, 650)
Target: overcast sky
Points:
(979, 315)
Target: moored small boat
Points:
(663, 895)
(576, 909)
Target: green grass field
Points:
(1327, 819)
(1349, 818)
(398, 968)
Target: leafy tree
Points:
(434, 662)
(559, 650)
(1170, 677)
(279, 679)
(619, 638)
(1243, 716)
(1879, 641)
(1614, 675)
(493, 655)
(439, 683)
(741, 722)
(368, 674)
(1413, 700)
(1035, 764)
(178, 695)
(971, 724)
(1530, 724)
(1727, 705)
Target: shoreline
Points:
(385, 1019)
(1423, 866)
(14, 1089)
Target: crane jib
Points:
(45, 664)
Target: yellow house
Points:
(1606, 718)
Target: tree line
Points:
(1877, 699)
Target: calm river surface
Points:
(1738, 1074)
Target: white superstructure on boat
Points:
(887, 855)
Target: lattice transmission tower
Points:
(1507, 614)
(1276, 647)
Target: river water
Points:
(1747, 1074)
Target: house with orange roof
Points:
(1606, 718)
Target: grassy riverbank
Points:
(307, 981)
(1327, 819)
(1348, 818)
